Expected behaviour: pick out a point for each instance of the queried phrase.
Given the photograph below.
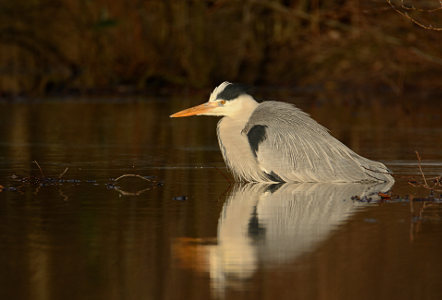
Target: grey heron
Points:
(277, 142)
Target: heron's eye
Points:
(222, 102)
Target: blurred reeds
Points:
(85, 46)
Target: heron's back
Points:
(286, 144)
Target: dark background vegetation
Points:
(101, 47)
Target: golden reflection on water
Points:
(65, 242)
(379, 130)
(267, 225)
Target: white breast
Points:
(236, 150)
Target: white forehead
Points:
(218, 90)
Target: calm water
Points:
(194, 236)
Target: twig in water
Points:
(62, 173)
(137, 193)
(60, 192)
(132, 175)
(126, 193)
(436, 180)
(37, 189)
(420, 168)
(41, 171)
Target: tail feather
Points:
(377, 170)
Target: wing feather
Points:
(296, 148)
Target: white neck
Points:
(243, 108)
(234, 144)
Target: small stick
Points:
(125, 193)
(60, 192)
(420, 167)
(37, 189)
(413, 184)
(62, 173)
(41, 171)
(132, 175)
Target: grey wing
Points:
(290, 146)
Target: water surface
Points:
(193, 235)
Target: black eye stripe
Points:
(232, 91)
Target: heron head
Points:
(227, 99)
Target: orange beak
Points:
(196, 110)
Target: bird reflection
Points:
(264, 225)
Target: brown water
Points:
(195, 236)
